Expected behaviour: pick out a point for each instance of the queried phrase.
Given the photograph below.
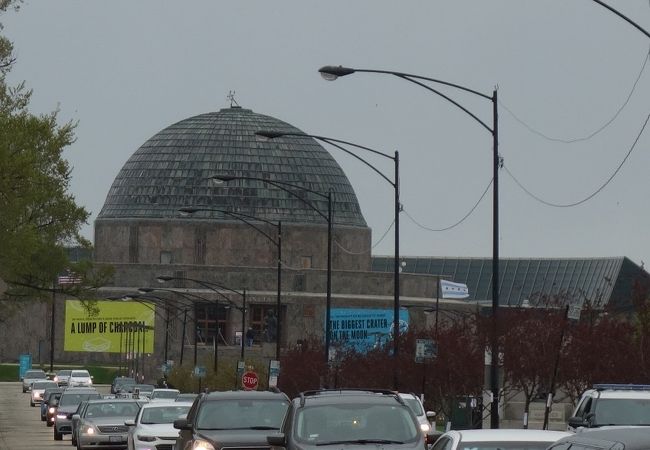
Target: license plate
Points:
(115, 439)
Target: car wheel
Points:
(57, 436)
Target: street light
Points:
(287, 187)
(331, 73)
(211, 285)
(277, 241)
(271, 134)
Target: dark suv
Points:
(350, 417)
(233, 419)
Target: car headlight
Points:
(56, 379)
(200, 444)
(145, 438)
(88, 429)
(37, 395)
(61, 416)
(425, 427)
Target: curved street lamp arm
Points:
(208, 285)
(628, 20)
(269, 134)
(450, 100)
(280, 185)
(239, 216)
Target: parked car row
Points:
(138, 418)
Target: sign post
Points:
(249, 381)
(274, 373)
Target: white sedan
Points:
(154, 425)
(503, 439)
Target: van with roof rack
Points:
(612, 405)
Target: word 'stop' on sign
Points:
(249, 381)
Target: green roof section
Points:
(171, 170)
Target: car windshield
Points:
(112, 409)
(63, 373)
(241, 414)
(125, 380)
(343, 423)
(75, 398)
(144, 387)
(504, 445)
(186, 397)
(43, 384)
(35, 374)
(414, 404)
(163, 414)
(52, 395)
(165, 394)
(80, 374)
(622, 411)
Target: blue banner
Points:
(364, 329)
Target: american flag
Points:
(68, 278)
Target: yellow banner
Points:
(109, 326)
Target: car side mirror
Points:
(182, 424)
(431, 415)
(76, 417)
(576, 422)
(277, 440)
(129, 423)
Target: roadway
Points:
(20, 424)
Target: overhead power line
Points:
(592, 134)
(350, 252)
(457, 223)
(592, 195)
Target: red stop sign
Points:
(249, 380)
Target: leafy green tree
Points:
(39, 218)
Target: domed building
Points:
(208, 206)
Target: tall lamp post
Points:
(277, 241)
(214, 287)
(272, 134)
(331, 73)
(290, 188)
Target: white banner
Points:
(449, 289)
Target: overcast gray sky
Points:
(125, 70)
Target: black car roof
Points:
(334, 396)
(634, 438)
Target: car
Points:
(424, 418)
(32, 375)
(619, 438)
(143, 390)
(236, 419)
(186, 397)
(38, 387)
(45, 400)
(503, 439)
(80, 378)
(49, 392)
(101, 423)
(118, 382)
(164, 394)
(67, 405)
(153, 428)
(607, 405)
(372, 418)
(62, 377)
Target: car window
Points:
(241, 414)
(35, 374)
(443, 443)
(414, 404)
(163, 414)
(321, 424)
(43, 384)
(626, 411)
(64, 373)
(165, 394)
(80, 373)
(503, 445)
(112, 409)
(76, 398)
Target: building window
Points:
(305, 262)
(207, 318)
(165, 257)
(257, 322)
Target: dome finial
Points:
(233, 102)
